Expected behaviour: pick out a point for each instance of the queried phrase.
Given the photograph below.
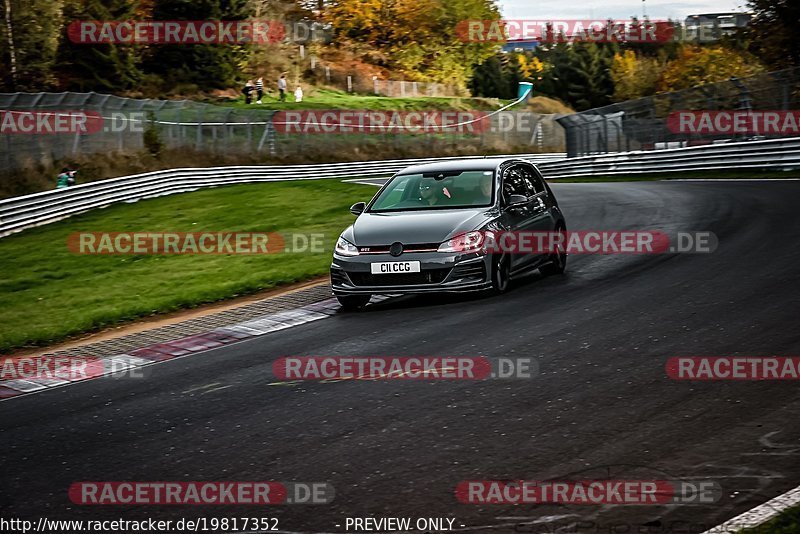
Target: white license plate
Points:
(395, 267)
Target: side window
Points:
(516, 181)
(528, 178)
(537, 182)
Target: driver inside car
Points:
(434, 193)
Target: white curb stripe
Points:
(758, 515)
(122, 362)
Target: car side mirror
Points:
(358, 208)
(516, 200)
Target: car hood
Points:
(375, 229)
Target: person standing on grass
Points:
(248, 92)
(298, 94)
(259, 89)
(66, 178)
(282, 87)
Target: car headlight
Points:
(469, 242)
(345, 247)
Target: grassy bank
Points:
(49, 293)
(332, 99)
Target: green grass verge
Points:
(48, 293)
(330, 99)
(703, 175)
(787, 522)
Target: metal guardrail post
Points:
(199, 142)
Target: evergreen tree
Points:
(581, 74)
(211, 66)
(98, 67)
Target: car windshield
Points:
(440, 190)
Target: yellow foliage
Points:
(529, 67)
(703, 65)
(634, 76)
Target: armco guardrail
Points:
(48, 206)
(773, 154)
(23, 212)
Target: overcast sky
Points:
(615, 9)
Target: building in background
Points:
(520, 45)
(712, 26)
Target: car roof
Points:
(475, 164)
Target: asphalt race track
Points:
(601, 406)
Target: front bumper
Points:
(439, 272)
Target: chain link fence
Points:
(115, 124)
(403, 89)
(655, 122)
(123, 125)
(352, 81)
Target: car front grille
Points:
(407, 248)
(430, 276)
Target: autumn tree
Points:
(634, 76)
(700, 65)
(417, 38)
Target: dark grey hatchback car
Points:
(425, 231)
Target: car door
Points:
(542, 216)
(517, 180)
